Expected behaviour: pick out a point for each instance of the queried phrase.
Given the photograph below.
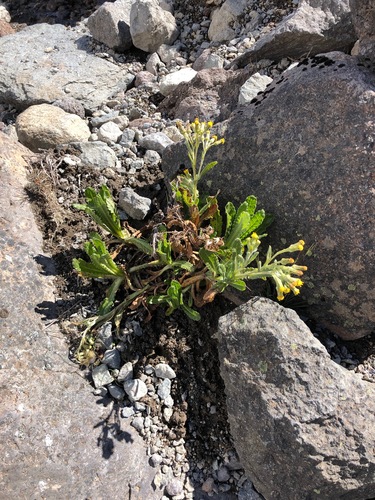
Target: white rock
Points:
(101, 376)
(137, 207)
(162, 370)
(96, 155)
(207, 61)
(151, 26)
(164, 388)
(221, 29)
(126, 372)
(156, 141)
(109, 132)
(153, 63)
(4, 14)
(167, 413)
(45, 126)
(256, 83)
(168, 53)
(135, 389)
(169, 82)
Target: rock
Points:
(153, 64)
(101, 376)
(316, 26)
(70, 105)
(296, 417)
(126, 372)
(162, 370)
(98, 121)
(156, 141)
(169, 53)
(207, 60)
(5, 28)
(255, 84)
(116, 392)
(127, 138)
(174, 487)
(164, 388)
(136, 389)
(152, 157)
(169, 82)
(211, 95)
(223, 474)
(363, 16)
(136, 206)
(44, 126)
(221, 29)
(4, 14)
(112, 358)
(319, 187)
(145, 78)
(96, 155)
(109, 132)
(51, 424)
(69, 70)
(151, 26)
(110, 24)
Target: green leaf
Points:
(190, 312)
(207, 168)
(254, 223)
(101, 207)
(230, 212)
(238, 285)
(141, 244)
(267, 221)
(211, 260)
(217, 223)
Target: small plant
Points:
(187, 259)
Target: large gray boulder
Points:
(363, 14)
(316, 26)
(304, 148)
(151, 26)
(303, 426)
(54, 63)
(56, 441)
(110, 24)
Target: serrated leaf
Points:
(211, 260)
(230, 212)
(254, 223)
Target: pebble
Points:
(137, 423)
(162, 370)
(116, 391)
(127, 412)
(101, 376)
(164, 389)
(135, 389)
(112, 358)
(174, 487)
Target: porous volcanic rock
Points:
(303, 426)
(316, 26)
(55, 63)
(305, 149)
(56, 441)
(363, 14)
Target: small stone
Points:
(112, 358)
(101, 376)
(162, 370)
(223, 474)
(137, 423)
(156, 141)
(126, 372)
(135, 389)
(152, 157)
(136, 206)
(127, 412)
(208, 485)
(149, 370)
(174, 487)
(167, 414)
(169, 82)
(156, 459)
(101, 391)
(164, 388)
(109, 132)
(116, 391)
(105, 335)
(127, 138)
(100, 120)
(168, 401)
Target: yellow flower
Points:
(255, 236)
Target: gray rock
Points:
(126, 372)
(116, 392)
(221, 27)
(45, 126)
(151, 26)
(112, 358)
(109, 132)
(363, 15)
(137, 207)
(70, 70)
(207, 60)
(156, 141)
(174, 487)
(316, 26)
(101, 376)
(127, 412)
(152, 157)
(70, 105)
(138, 423)
(127, 138)
(156, 459)
(153, 64)
(53, 423)
(324, 116)
(110, 24)
(296, 417)
(171, 81)
(255, 84)
(168, 53)
(105, 332)
(96, 155)
(97, 121)
(164, 388)
(162, 370)
(135, 389)
(247, 492)
(223, 474)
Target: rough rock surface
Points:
(44, 126)
(211, 95)
(363, 14)
(56, 63)
(316, 26)
(151, 26)
(305, 148)
(221, 27)
(297, 418)
(170, 82)
(110, 24)
(52, 431)
(255, 84)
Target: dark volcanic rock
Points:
(363, 14)
(302, 425)
(305, 149)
